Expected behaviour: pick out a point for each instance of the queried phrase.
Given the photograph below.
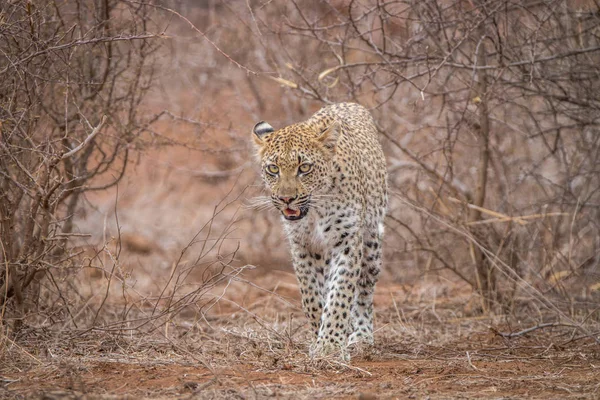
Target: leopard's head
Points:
(296, 163)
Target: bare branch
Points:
(86, 140)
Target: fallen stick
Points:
(525, 331)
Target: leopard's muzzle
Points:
(292, 209)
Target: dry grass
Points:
(253, 344)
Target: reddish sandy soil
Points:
(424, 350)
(416, 378)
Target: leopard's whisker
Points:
(257, 205)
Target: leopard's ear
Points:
(330, 135)
(261, 130)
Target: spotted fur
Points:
(333, 216)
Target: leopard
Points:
(327, 178)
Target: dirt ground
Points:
(253, 345)
(536, 378)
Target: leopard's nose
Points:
(287, 200)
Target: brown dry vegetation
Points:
(253, 345)
(167, 284)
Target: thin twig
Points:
(470, 363)
(525, 331)
(213, 44)
(86, 141)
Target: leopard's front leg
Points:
(309, 269)
(341, 281)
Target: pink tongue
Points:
(290, 212)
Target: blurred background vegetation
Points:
(125, 166)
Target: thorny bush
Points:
(72, 77)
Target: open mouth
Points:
(293, 215)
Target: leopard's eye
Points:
(272, 169)
(305, 168)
